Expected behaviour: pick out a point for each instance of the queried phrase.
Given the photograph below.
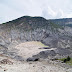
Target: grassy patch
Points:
(62, 59)
(67, 61)
(42, 44)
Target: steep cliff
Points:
(35, 39)
(51, 32)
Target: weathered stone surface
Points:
(36, 29)
(6, 61)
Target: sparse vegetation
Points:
(42, 44)
(67, 60)
(56, 25)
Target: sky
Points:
(49, 9)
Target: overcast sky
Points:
(49, 9)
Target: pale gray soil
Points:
(26, 50)
(40, 66)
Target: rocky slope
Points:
(54, 33)
(27, 28)
(22, 39)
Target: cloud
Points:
(49, 9)
(69, 15)
(49, 13)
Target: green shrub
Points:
(68, 58)
(65, 60)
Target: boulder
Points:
(6, 61)
(32, 59)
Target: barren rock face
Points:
(6, 61)
(49, 32)
(26, 28)
(32, 42)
